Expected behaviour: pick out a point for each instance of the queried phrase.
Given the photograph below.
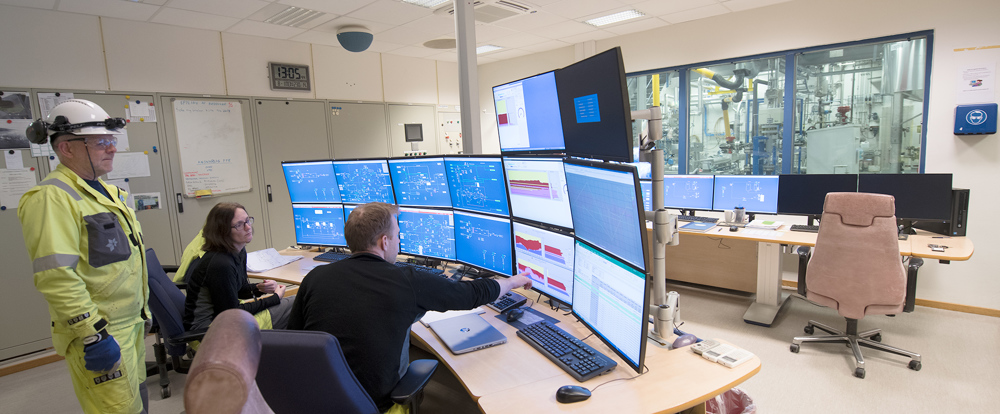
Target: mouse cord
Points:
(621, 379)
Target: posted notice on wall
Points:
(147, 201)
(977, 83)
(13, 185)
(130, 164)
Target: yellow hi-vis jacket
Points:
(88, 256)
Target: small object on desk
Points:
(716, 352)
(937, 248)
(733, 228)
(514, 314)
(331, 257)
(508, 301)
(571, 394)
(684, 340)
(700, 347)
(267, 259)
(765, 224)
(903, 236)
(806, 228)
(697, 219)
(575, 357)
(433, 316)
(734, 358)
(697, 226)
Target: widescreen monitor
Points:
(311, 181)
(537, 188)
(647, 194)
(477, 184)
(688, 192)
(348, 208)
(918, 196)
(484, 242)
(547, 256)
(611, 298)
(319, 224)
(528, 115)
(427, 232)
(594, 105)
(420, 182)
(364, 181)
(607, 208)
(755, 193)
(804, 194)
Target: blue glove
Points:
(101, 352)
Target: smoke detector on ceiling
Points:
(489, 11)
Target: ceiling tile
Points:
(661, 7)
(239, 9)
(342, 21)
(252, 28)
(594, 35)
(415, 51)
(518, 40)
(573, 9)
(564, 29)
(185, 18)
(542, 47)
(635, 26)
(446, 56)
(379, 46)
(531, 21)
(109, 8)
(35, 4)
(695, 14)
(508, 54)
(317, 37)
(390, 12)
(490, 33)
(339, 7)
(740, 5)
(416, 32)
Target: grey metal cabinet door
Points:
(400, 115)
(358, 130)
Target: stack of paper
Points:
(432, 316)
(267, 259)
(765, 224)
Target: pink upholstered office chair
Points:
(857, 270)
(221, 379)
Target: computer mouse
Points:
(514, 314)
(571, 394)
(733, 228)
(684, 340)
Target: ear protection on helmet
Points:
(36, 132)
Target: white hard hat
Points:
(77, 117)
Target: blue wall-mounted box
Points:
(976, 119)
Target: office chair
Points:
(166, 302)
(305, 372)
(221, 379)
(857, 270)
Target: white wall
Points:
(974, 161)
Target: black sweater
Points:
(223, 276)
(369, 305)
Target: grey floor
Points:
(959, 374)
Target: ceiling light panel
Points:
(487, 49)
(615, 18)
(430, 4)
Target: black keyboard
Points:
(697, 218)
(421, 268)
(803, 227)
(509, 300)
(572, 355)
(331, 257)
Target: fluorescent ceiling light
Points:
(615, 18)
(430, 4)
(486, 49)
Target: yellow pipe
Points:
(705, 72)
(656, 89)
(725, 117)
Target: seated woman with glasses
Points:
(219, 282)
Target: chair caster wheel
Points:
(860, 373)
(809, 329)
(877, 337)
(794, 348)
(915, 365)
(165, 392)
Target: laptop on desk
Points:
(467, 333)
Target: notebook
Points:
(467, 333)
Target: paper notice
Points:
(13, 184)
(140, 111)
(976, 83)
(122, 141)
(147, 201)
(130, 164)
(13, 159)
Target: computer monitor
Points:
(611, 298)
(804, 194)
(755, 193)
(364, 181)
(547, 256)
(688, 192)
(348, 208)
(420, 182)
(607, 210)
(647, 194)
(918, 196)
(594, 105)
(477, 184)
(427, 232)
(319, 224)
(537, 188)
(484, 242)
(528, 115)
(311, 181)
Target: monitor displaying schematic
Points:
(547, 256)
(319, 224)
(755, 193)
(528, 117)
(477, 184)
(364, 181)
(427, 232)
(537, 188)
(311, 181)
(484, 242)
(420, 182)
(688, 192)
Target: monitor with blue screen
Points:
(477, 184)
(348, 208)
(594, 106)
(420, 182)
(537, 188)
(547, 256)
(688, 192)
(755, 193)
(311, 181)
(484, 242)
(319, 224)
(528, 117)
(647, 194)
(607, 209)
(427, 232)
(364, 181)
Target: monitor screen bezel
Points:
(400, 209)
(503, 170)
(624, 153)
(527, 151)
(303, 205)
(558, 231)
(392, 179)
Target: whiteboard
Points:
(213, 151)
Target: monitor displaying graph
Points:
(607, 212)
(484, 242)
(528, 116)
(755, 193)
(364, 181)
(420, 182)
(547, 256)
(427, 232)
(477, 184)
(537, 188)
(311, 182)
(319, 224)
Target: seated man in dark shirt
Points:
(369, 304)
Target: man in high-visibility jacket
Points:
(89, 260)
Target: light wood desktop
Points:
(515, 375)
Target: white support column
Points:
(468, 76)
(769, 296)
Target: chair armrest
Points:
(805, 253)
(416, 377)
(911, 283)
(181, 285)
(170, 268)
(187, 336)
